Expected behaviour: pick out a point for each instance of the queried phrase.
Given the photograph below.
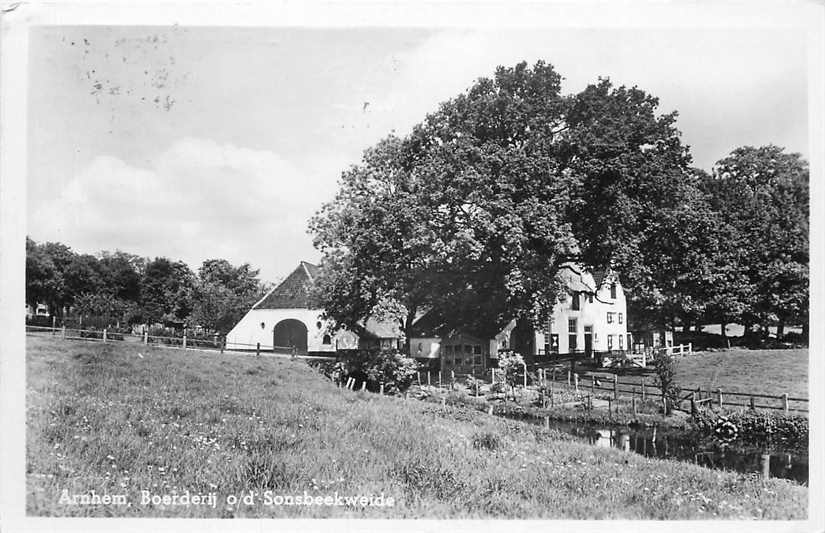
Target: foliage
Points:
(761, 194)
(665, 365)
(224, 293)
(394, 369)
(512, 365)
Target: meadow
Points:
(118, 419)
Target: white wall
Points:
(248, 332)
(590, 314)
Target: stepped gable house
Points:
(589, 318)
(284, 321)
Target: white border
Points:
(807, 17)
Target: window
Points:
(610, 317)
(328, 340)
(468, 348)
(613, 290)
(476, 350)
(574, 303)
(620, 318)
(621, 341)
(610, 342)
(477, 360)
(572, 338)
(554, 342)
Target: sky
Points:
(205, 142)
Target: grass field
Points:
(748, 371)
(118, 419)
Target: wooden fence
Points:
(718, 398)
(178, 343)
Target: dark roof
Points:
(435, 324)
(293, 292)
(378, 329)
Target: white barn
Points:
(284, 321)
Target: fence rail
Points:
(177, 343)
(713, 398)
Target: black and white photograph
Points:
(457, 262)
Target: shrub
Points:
(513, 365)
(390, 367)
(665, 365)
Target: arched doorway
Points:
(290, 333)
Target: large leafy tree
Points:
(223, 293)
(44, 282)
(761, 193)
(166, 290)
(122, 273)
(476, 210)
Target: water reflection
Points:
(683, 446)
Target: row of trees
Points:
(473, 213)
(131, 289)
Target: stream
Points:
(690, 447)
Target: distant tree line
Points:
(474, 212)
(130, 289)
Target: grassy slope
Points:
(101, 417)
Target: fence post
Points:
(633, 402)
(552, 401)
(418, 375)
(429, 382)
(576, 382)
(452, 379)
(63, 332)
(785, 402)
(719, 393)
(54, 323)
(615, 387)
(592, 384)
(753, 404)
(439, 379)
(525, 375)
(690, 348)
(693, 409)
(104, 335)
(766, 465)
(223, 344)
(258, 349)
(644, 391)
(546, 422)
(382, 388)
(568, 378)
(145, 336)
(364, 385)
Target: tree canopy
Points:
(474, 212)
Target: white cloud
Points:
(199, 200)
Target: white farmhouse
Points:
(284, 321)
(590, 319)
